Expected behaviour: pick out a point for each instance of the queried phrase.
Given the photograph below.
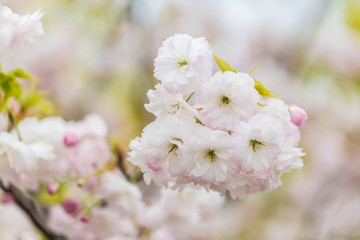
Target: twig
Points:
(136, 176)
(120, 164)
(30, 207)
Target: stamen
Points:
(225, 100)
(172, 147)
(182, 63)
(212, 155)
(256, 145)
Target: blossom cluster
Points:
(104, 205)
(71, 169)
(51, 150)
(88, 197)
(124, 213)
(224, 131)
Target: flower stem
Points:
(188, 98)
(136, 176)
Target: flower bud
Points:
(71, 139)
(297, 115)
(80, 182)
(52, 188)
(7, 198)
(84, 218)
(71, 206)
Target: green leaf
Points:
(38, 101)
(46, 199)
(223, 65)
(88, 212)
(21, 73)
(263, 91)
(352, 15)
(10, 88)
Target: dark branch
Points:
(121, 162)
(32, 209)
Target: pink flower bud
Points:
(80, 183)
(71, 139)
(7, 198)
(84, 218)
(71, 206)
(297, 115)
(52, 188)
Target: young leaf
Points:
(223, 65)
(46, 199)
(10, 88)
(36, 101)
(21, 73)
(263, 91)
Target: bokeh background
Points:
(97, 56)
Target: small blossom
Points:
(15, 30)
(164, 103)
(162, 145)
(120, 194)
(210, 151)
(226, 99)
(16, 154)
(260, 140)
(183, 63)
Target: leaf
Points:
(263, 91)
(21, 73)
(37, 101)
(46, 199)
(223, 65)
(88, 212)
(10, 88)
(352, 16)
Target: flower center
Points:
(256, 145)
(176, 108)
(225, 100)
(173, 148)
(212, 155)
(182, 63)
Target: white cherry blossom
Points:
(226, 99)
(15, 29)
(183, 63)
(163, 103)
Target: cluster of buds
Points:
(224, 131)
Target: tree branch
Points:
(31, 208)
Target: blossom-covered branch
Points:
(31, 208)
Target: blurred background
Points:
(97, 56)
